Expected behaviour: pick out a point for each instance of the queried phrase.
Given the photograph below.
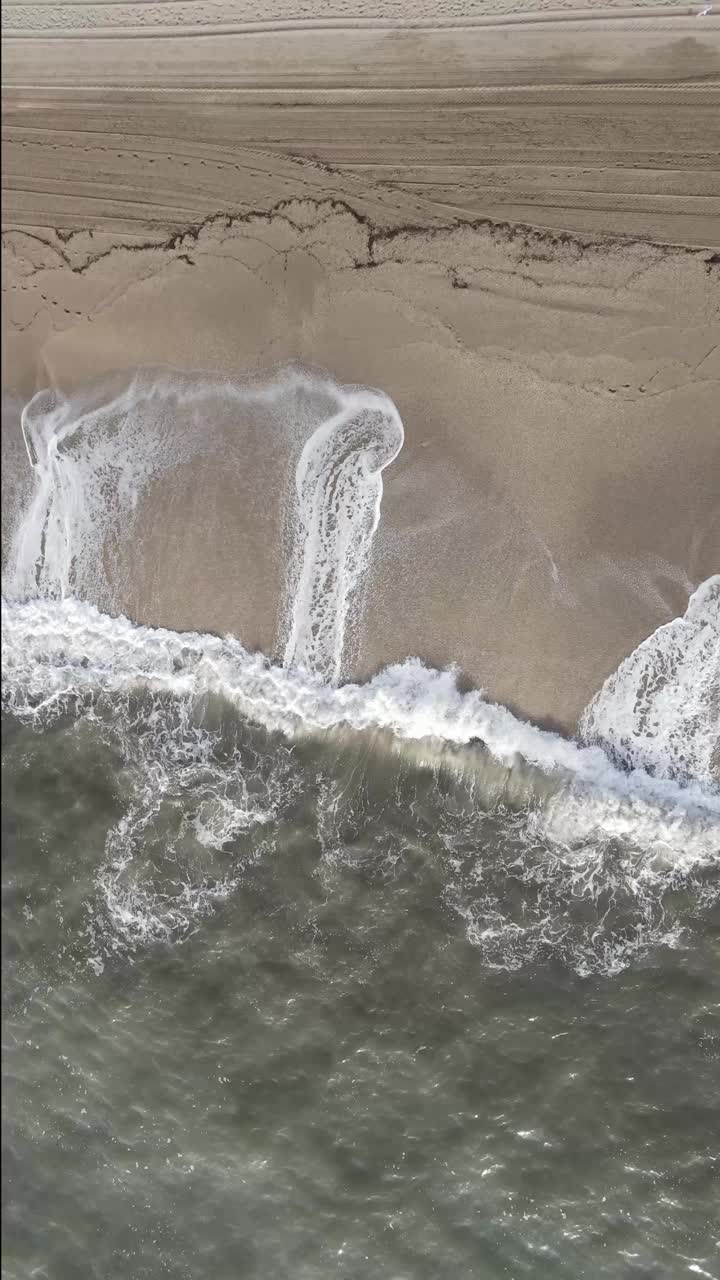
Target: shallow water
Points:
(318, 1010)
(309, 978)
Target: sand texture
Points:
(508, 219)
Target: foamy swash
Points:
(338, 491)
(646, 774)
(93, 462)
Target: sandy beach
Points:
(507, 217)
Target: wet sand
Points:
(509, 223)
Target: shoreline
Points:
(517, 266)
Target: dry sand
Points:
(507, 220)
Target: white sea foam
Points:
(338, 485)
(95, 457)
(660, 711)
(644, 782)
(55, 653)
(91, 465)
(166, 864)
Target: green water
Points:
(309, 1013)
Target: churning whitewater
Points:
(642, 780)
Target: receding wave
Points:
(599, 837)
(96, 456)
(542, 847)
(660, 710)
(338, 486)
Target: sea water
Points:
(311, 978)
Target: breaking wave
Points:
(599, 837)
(540, 847)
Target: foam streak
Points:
(338, 487)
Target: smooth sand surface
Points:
(508, 220)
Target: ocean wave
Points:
(56, 653)
(597, 835)
(543, 848)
